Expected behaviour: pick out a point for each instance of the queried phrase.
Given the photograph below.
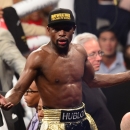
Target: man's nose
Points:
(40, 113)
(62, 33)
(99, 58)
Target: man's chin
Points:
(62, 46)
(96, 68)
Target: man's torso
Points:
(59, 78)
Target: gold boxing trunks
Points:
(67, 119)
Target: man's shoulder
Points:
(79, 48)
(42, 50)
(40, 53)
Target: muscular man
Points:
(94, 99)
(58, 69)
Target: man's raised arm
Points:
(104, 80)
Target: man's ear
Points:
(74, 28)
(48, 28)
(47, 31)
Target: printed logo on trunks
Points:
(60, 16)
(69, 116)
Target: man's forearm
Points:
(108, 80)
(14, 96)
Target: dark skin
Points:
(58, 69)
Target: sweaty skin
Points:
(58, 69)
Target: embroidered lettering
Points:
(72, 115)
(60, 16)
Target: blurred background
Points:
(109, 20)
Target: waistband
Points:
(65, 115)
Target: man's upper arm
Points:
(26, 78)
(31, 68)
(10, 53)
(88, 72)
(88, 69)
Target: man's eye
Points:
(55, 29)
(39, 108)
(112, 39)
(67, 29)
(103, 39)
(101, 53)
(92, 54)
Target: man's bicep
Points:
(88, 72)
(31, 65)
(27, 76)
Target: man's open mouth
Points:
(62, 42)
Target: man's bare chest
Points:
(62, 68)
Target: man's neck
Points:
(108, 60)
(60, 51)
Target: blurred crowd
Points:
(109, 20)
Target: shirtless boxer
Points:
(58, 69)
